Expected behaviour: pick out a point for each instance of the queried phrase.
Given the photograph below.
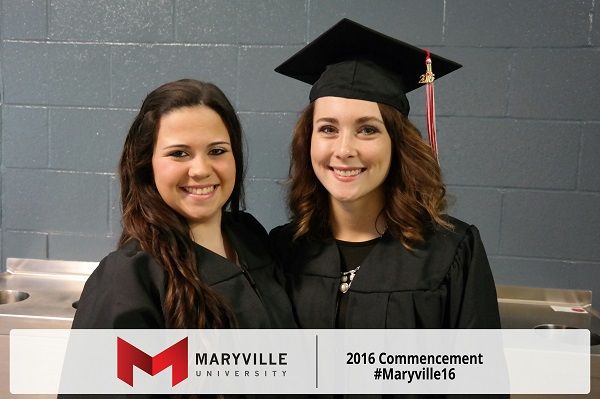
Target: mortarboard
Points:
(352, 61)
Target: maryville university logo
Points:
(176, 355)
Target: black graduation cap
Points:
(352, 61)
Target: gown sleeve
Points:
(472, 295)
(280, 244)
(282, 250)
(125, 291)
(472, 292)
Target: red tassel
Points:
(428, 77)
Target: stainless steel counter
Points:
(47, 290)
(526, 307)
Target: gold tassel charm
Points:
(428, 76)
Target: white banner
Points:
(300, 361)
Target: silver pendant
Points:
(346, 279)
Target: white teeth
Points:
(200, 191)
(346, 173)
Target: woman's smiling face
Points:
(350, 149)
(193, 163)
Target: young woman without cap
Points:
(188, 257)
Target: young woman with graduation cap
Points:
(369, 244)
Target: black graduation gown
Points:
(446, 282)
(127, 289)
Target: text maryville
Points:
(241, 358)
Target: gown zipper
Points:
(244, 268)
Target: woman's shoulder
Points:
(284, 232)
(129, 257)
(249, 237)
(127, 266)
(244, 223)
(281, 240)
(444, 250)
(461, 244)
(456, 235)
(126, 290)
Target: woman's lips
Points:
(200, 191)
(346, 173)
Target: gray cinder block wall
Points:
(519, 125)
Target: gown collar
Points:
(389, 266)
(213, 267)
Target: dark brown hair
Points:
(415, 196)
(161, 231)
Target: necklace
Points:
(346, 279)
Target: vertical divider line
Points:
(316, 361)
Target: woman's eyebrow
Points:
(369, 119)
(328, 120)
(176, 146)
(185, 146)
(219, 143)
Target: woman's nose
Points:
(345, 146)
(199, 167)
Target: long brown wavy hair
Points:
(161, 231)
(415, 196)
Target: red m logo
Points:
(129, 356)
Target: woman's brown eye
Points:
(368, 130)
(217, 151)
(326, 129)
(177, 154)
